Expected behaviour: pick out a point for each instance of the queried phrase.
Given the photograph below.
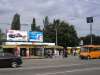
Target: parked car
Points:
(8, 59)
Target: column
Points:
(17, 52)
(27, 52)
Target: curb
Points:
(33, 57)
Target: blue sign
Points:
(36, 36)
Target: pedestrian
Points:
(65, 53)
(74, 52)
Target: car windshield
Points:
(84, 49)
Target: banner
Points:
(15, 35)
(36, 36)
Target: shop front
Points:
(27, 49)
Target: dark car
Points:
(11, 35)
(8, 59)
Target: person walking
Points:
(65, 53)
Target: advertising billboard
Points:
(16, 35)
(36, 36)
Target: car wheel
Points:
(14, 64)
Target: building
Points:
(27, 44)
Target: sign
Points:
(15, 35)
(36, 36)
(89, 19)
(18, 43)
(81, 42)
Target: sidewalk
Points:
(33, 57)
(43, 57)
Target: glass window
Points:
(84, 49)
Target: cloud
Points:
(72, 11)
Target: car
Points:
(9, 59)
(11, 35)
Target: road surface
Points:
(56, 66)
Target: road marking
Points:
(70, 71)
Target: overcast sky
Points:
(72, 11)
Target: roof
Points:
(31, 46)
(58, 47)
(91, 46)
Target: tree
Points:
(2, 37)
(16, 22)
(33, 25)
(87, 39)
(66, 34)
(46, 22)
(0, 34)
(74, 40)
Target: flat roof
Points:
(91, 46)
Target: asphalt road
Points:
(56, 66)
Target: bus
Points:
(90, 51)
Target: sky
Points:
(71, 11)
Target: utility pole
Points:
(90, 20)
(56, 29)
(91, 32)
(56, 36)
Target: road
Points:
(56, 66)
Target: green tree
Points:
(33, 25)
(38, 28)
(2, 37)
(0, 34)
(66, 34)
(87, 39)
(16, 22)
(46, 22)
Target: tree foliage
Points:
(16, 22)
(0, 34)
(87, 40)
(2, 37)
(66, 34)
(46, 22)
(33, 25)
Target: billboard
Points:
(16, 35)
(36, 36)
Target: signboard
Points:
(89, 19)
(36, 36)
(18, 43)
(15, 35)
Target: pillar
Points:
(27, 52)
(17, 52)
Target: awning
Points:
(57, 47)
(8, 46)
